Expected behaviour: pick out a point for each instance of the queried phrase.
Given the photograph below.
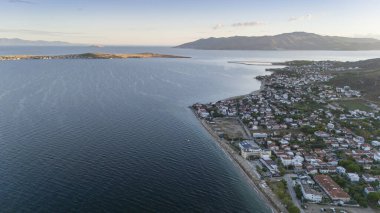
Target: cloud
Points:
(218, 26)
(239, 24)
(21, 2)
(300, 18)
(247, 24)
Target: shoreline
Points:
(242, 165)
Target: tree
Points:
(375, 183)
(298, 191)
(373, 197)
(293, 209)
(353, 168)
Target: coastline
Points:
(271, 201)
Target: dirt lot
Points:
(230, 126)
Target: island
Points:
(309, 139)
(88, 56)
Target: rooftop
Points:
(331, 188)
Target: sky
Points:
(172, 22)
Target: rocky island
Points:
(88, 56)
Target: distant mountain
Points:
(21, 42)
(286, 41)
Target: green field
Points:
(354, 104)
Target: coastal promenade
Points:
(265, 193)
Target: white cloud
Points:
(300, 18)
(247, 24)
(218, 26)
(239, 24)
(21, 1)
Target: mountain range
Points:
(285, 41)
(21, 42)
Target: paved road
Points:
(288, 179)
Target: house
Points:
(375, 143)
(340, 170)
(321, 134)
(376, 156)
(311, 194)
(203, 113)
(369, 189)
(365, 147)
(369, 178)
(327, 169)
(311, 170)
(353, 177)
(259, 135)
(286, 161)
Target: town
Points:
(307, 140)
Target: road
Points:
(288, 179)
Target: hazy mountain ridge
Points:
(21, 42)
(286, 41)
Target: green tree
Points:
(293, 209)
(373, 197)
(353, 168)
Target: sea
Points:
(118, 136)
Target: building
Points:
(249, 150)
(376, 156)
(321, 134)
(271, 166)
(327, 169)
(286, 161)
(369, 178)
(368, 190)
(353, 177)
(332, 189)
(375, 143)
(259, 135)
(311, 194)
(340, 170)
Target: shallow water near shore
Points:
(116, 135)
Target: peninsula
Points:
(87, 56)
(309, 136)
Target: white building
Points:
(340, 170)
(249, 150)
(311, 194)
(353, 177)
(368, 190)
(369, 178)
(259, 135)
(375, 143)
(286, 161)
(376, 156)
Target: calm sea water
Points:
(117, 136)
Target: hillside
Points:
(286, 41)
(365, 79)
